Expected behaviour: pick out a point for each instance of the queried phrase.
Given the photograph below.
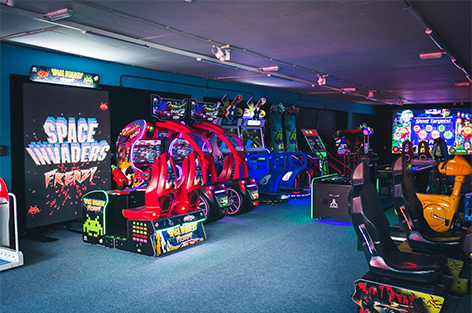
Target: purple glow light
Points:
(337, 223)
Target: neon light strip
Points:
(361, 229)
(404, 216)
(326, 176)
(132, 146)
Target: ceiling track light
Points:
(434, 55)
(221, 53)
(322, 79)
(344, 90)
(269, 69)
(10, 3)
(58, 15)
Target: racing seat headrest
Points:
(360, 175)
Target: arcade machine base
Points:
(383, 295)
(271, 198)
(330, 198)
(10, 258)
(103, 224)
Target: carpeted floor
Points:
(273, 259)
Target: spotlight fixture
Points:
(371, 94)
(434, 55)
(58, 15)
(269, 69)
(322, 79)
(348, 90)
(221, 53)
(10, 3)
(462, 84)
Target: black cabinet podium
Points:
(330, 198)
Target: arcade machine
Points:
(323, 201)
(242, 189)
(330, 194)
(9, 258)
(280, 174)
(170, 217)
(181, 140)
(398, 281)
(297, 180)
(319, 155)
(328, 198)
(352, 145)
(136, 150)
(268, 168)
(267, 171)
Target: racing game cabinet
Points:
(160, 192)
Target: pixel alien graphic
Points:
(92, 227)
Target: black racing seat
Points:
(421, 237)
(373, 230)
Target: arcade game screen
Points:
(145, 152)
(453, 125)
(252, 138)
(233, 139)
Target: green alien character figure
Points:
(88, 79)
(92, 227)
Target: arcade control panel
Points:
(313, 139)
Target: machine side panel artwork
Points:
(66, 150)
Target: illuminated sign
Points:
(66, 148)
(254, 123)
(168, 109)
(179, 236)
(60, 76)
(203, 111)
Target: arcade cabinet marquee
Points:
(452, 125)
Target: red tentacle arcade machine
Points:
(242, 189)
(182, 141)
(170, 217)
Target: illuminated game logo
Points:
(203, 111)
(452, 125)
(60, 76)
(407, 115)
(68, 141)
(168, 109)
(94, 205)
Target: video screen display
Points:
(66, 150)
(453, 125)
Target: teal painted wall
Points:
(18, 60)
